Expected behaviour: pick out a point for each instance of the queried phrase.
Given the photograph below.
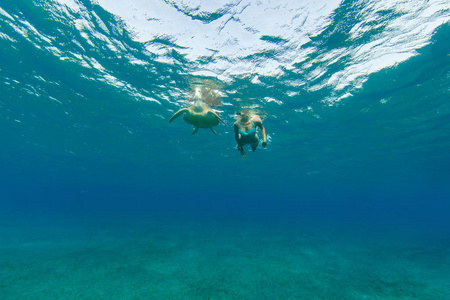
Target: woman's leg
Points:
(255, 145)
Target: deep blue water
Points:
(84, 116)
(73, 139)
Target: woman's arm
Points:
(236, 134)
(263, 132)
(259, 123)
(238, 140)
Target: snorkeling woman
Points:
(245, 132)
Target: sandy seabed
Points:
(216, 258)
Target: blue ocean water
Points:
(349, 200)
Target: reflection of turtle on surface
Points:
(199, 114)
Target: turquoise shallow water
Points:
(349, 200)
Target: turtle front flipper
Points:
(218, 117)
(213, 130)
(177, 114)
(195, 130)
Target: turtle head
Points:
(198, 103)
(198, 93)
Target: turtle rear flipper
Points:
(195, 130)
(213, 130)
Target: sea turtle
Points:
(199, 114)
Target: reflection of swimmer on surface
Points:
(199, 114)
(245, 132)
